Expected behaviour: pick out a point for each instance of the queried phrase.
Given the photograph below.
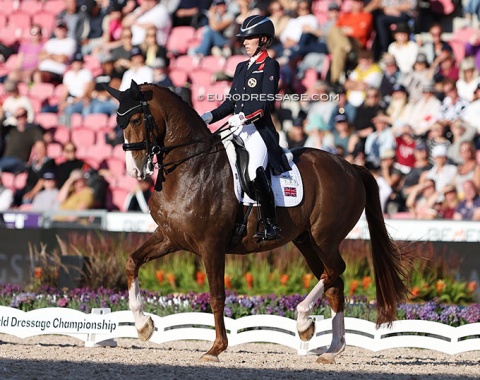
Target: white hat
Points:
(439, 151)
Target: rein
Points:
(153, 149)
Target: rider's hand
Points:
(236, 121)
(207, 117)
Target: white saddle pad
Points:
(287, 187)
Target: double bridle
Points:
(153, 149)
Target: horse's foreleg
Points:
(215, 267)
(336, 300)
(305, 325)
(156, 246)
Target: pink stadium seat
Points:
(20, 20)
(47, 119)
(179, 78)
(9, 65)
(8, 180)
(83, 136)
(99, 152)
(54, 150)
(232, 63)
(76, 121)
(3, 20)
(118, 152)
(7, 7)
(185, 62)
(82, 152)
(178, 40)
(126, 182)
(212, 63)
(62, 134)
(96, 121)
(10, 34)
(112, 121)
(116, 166)
(310, 78)
(23, 88)
(45, 19)
(201, 76)
(54, 6)
(42, 91)
(118, 197)
(31, 7)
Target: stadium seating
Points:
(179, 39)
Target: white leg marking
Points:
(338, 333)
(136, 305)
(305, 307)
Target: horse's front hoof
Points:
(209, 358)
(326, 358)
(308, 333)
(146, 332)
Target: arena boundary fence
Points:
(102, 327)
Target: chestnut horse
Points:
(195, 208)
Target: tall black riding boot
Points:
(267, 202)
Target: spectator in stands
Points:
(391, 76)
(39, 165)
(112, 28)
(91, 26)
(445, 67)
(442, 173)
(137, 199)
(126, 6)
(460, 133)
(468, 168)
(27, 56)
(191, 13)
(433, 48)
(6, 196)
(13, 102)
(472, 48)
(150, 12)
(319, 135)
(397, 106)
(419, 77)
(70, 15)
(387, 13)
(100, 100)
(160, 73)
(349, 36)
(468, 80)
(405, 148)
(469, 207)
(312, 107)
(75, 194)
(279, 18)
(422, 200)
(69, 163)
(78, 84)
(19, 141)
(151, 49)
(471, 114)
(344, 135)
(55, 55)
(437, 136)
(366, 74)
(217, 34)
(453, 106)
(379, 140)
(403, 49)
(422, 164)
(342, 107)
(121, 54)
(246, 8)
(447, 208)
(296, 135)
(46, 199)
(393, 177)
(421, 114)
(138, 71)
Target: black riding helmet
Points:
(257, 26)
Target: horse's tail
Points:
(390, 274)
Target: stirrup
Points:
(268, 234)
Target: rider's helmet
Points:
(260, 26)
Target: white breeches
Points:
(257, 150)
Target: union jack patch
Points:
(290, 191)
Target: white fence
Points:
(102, 327)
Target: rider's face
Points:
(251, 45)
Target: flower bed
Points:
(236, 306)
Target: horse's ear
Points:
(135, 91)
(112, 91)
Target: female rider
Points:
(253, 92)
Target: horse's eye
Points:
(136, 121)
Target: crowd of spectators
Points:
(389, 91)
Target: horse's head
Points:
(139, 129)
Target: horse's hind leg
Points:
(156, 246)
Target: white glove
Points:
(236, 121)
(207, 117)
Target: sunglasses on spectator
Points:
(22, 115)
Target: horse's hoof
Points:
(308, 333)
(146, 332)
(326, 358)
(209, 358)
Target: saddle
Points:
(242, 167)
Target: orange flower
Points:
(38, 272)
(471, 286)
(171, 279)
(228, 283)
(353, 286)
(270, 277)
(440, 285)
(249, 279)
(160, 274)
(367, 280)
(307, 278)
(200, 278)
(415, 291)
(284, 279)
